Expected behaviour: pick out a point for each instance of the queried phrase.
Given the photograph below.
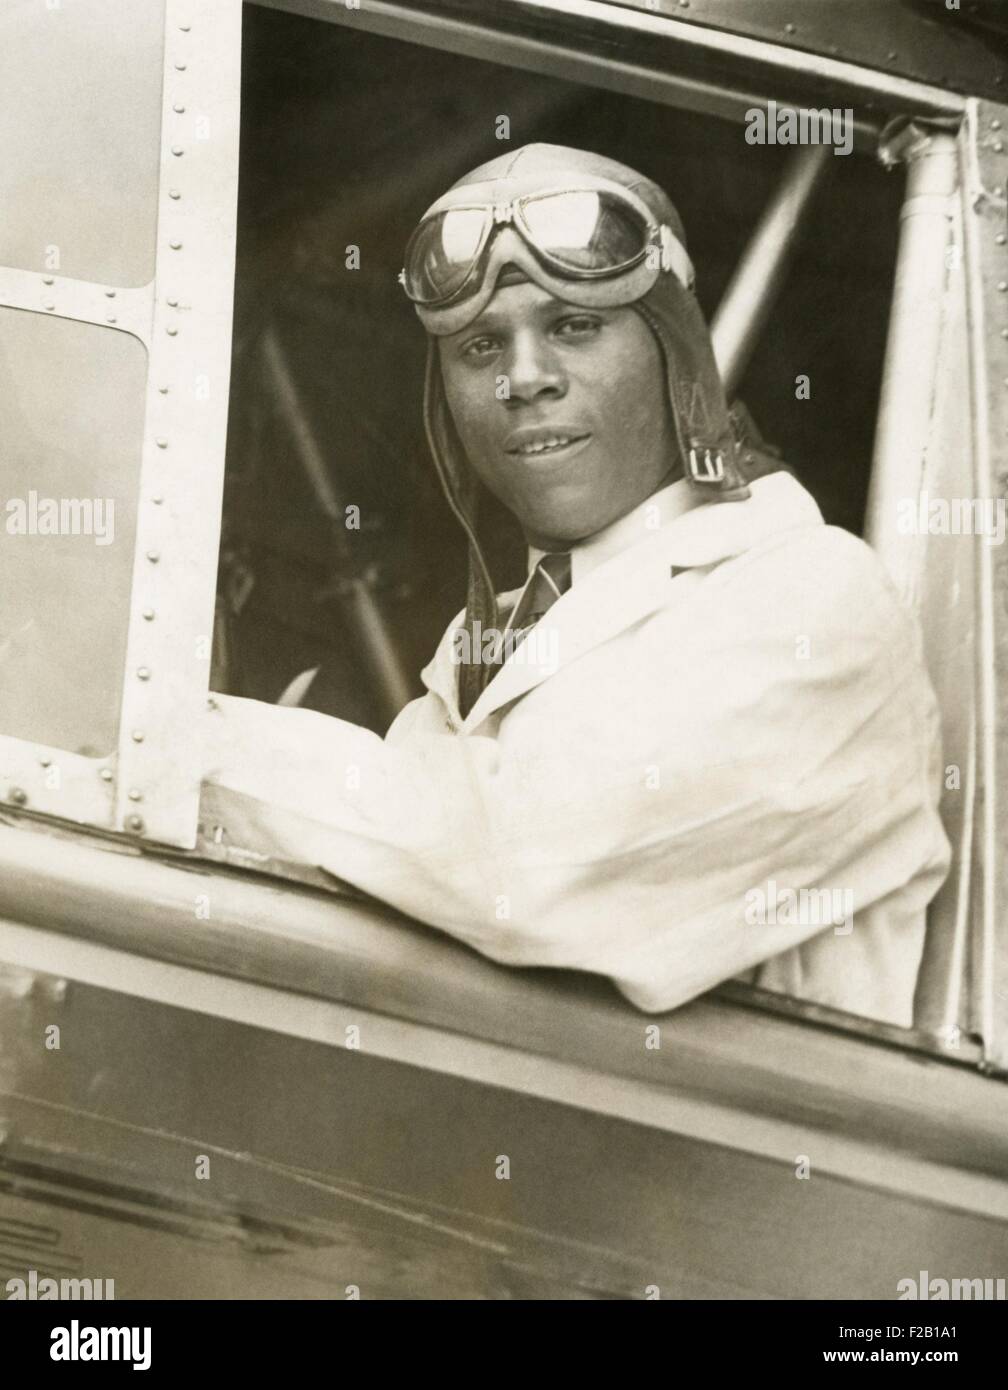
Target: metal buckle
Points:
(503, 212)
(710, 470)
(665, 242)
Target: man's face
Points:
(594, 378)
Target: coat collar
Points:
(655, 512)
(627, 586)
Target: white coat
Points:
(727, 711)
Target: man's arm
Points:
(778, 727)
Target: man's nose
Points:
(533, 369)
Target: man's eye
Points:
(479, 347)
(579, 325)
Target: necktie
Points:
(550, 578)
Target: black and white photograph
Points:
(504, 661)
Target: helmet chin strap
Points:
(707, 441)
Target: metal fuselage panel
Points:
(184, 1156)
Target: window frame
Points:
(985, 219)
(150, 786)
(712, 73)
(768, 68)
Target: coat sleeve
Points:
(776, 729)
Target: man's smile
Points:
(534, 441)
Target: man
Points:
(699, 742)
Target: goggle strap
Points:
(674, 257)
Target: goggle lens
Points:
(582, 233)
(586, 231)
(442, 253)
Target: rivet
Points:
(105, 774)
(143, 673)
(45, 762)
(148, 615)
(157, 499)
(891, 56)
(995, 124)
(153, 556)
(185, 28)
(163, 390)
(998, 146)
(172, 303)
(135, 794)
(135, 823)
(1004, 333)
(1000, 238)
(110, 294)
(18, 796)
(110, 318)
(789, 28)
(174, 193)
(178, 108)
(137, 736)
(999, 192)
(54, 990)
(177, 151)
(175, 245)
(1002, 286)
(172, 331)
(48, 304)
(161, 442)
(47, 279)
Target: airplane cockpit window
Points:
(341, 559)
(62, 177)
(71, 403)
(118, 185)
(71, 416)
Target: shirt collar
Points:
(649, 516)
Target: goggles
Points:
(595, 245)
